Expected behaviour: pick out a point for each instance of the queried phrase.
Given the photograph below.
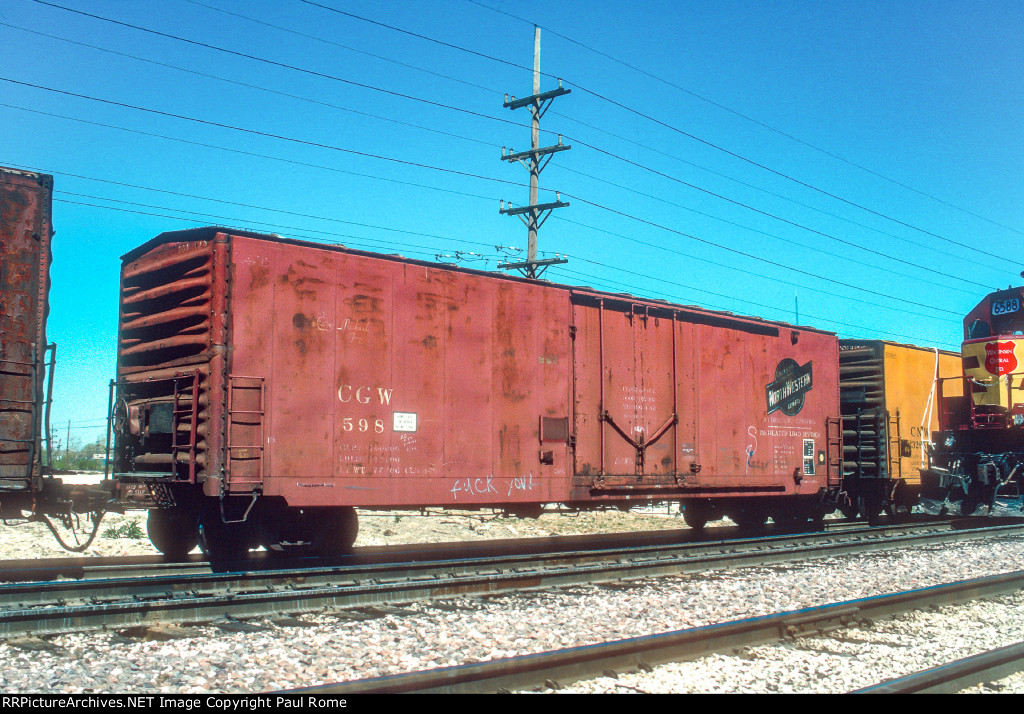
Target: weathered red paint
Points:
(337, 377)
(25, 232)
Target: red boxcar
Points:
(25, 232)
(267, 386)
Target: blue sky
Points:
(863, 158)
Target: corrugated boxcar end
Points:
(890, 409)
(25, 256)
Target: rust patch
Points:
(259, 276)
(363, 304)
(304, 286)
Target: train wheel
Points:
(172, 532)
(750, 520)
(335, 531)
(870, 507)
(695, 515)
(971, 501)
(222, 542)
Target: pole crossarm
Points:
(536, 208)
(537, 99)
(534, 153)
(530, 268)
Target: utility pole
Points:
(534, 160)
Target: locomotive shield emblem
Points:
(1000, 358)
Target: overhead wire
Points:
(490, 57)
(751, 119)
(420, 165)
(776, 264)
(735, 268)
(430, 251)
(605, 281)
(789, 222)
(243, 152)
(249, 85)
(482, 55)
(773, 194)
(588, 145)
(265, 134)
(301, 233)
(668, 126)
(424, 250)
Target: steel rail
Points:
(952, 677)
(559, 668)
(87, 568)
(82, 568)
(61, 606)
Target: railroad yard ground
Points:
(327, 648)
(428, 634)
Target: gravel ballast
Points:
(328, 648)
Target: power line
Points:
(276, 136)
(760, 189)
(205, 216)
(734, 268)
(429, 251)
(457, 172)
(778, 218)
(916, 339)
(269, 135)
(752, 120)
(746, 255)
(670, 127)
(251, 86)
(385, 228)
(283, 65)
(345, 47)
(460, 173)
(243, 152)
(595, 148)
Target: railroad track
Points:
(82, 568)
(559, 668)
(953, 677)
(48, 607)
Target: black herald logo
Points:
(791, 383)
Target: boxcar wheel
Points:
(695, 515)
(335, 531)
(172, 532)
(749, 520)
(222, 542)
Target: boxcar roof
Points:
(696, 313)
(857, 341)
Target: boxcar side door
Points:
(626, 421)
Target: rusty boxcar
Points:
(266, 387)
(25, 232)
